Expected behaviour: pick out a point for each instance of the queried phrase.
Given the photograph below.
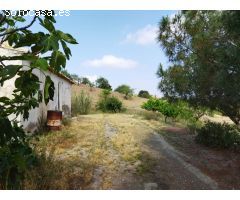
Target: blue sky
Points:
(118, 45)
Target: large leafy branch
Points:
(45, 49)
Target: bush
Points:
(162, 106)
(219, 135)
(177, 109)
(109, 103)
(81, 104)
(144, 94)
(16, 155)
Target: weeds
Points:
(67, 121)
(81, 104)
(146, 164)
(149, 115)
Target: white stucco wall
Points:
(8, 87)
(61, 101)
(62, 94)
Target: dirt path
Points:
(183, 174)
(121, 151)
(157, 164)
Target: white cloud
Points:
(91, 78)
(143, 36)
(110, 61)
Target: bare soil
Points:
(221, 165)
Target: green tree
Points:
(203, 47)
(163, 106)
(47, 49)
(144, 94)
(86, 81)
(126, 90)
(103, 83)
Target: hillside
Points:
(134, 103)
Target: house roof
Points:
(61, 76)
(24, 50)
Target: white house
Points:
(62, 94)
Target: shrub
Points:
(104, 94)
(162, 106)
(219, 135)
(81, 104)
(16, 156)
(177, 109)
(144, 94)
(109, 103)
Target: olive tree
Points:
(126, 90)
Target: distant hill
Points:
(134, 103)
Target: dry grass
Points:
(72, 157)
(86, 155)
(66, 155)
(133, 103)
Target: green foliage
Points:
(48, 89)
(86, 81)
(104, 94)
(187, 112)
(203, 49)
(219, 135)
(103, 84)
(109, 103)
(39, 43)
(162, 106)
(81, 104)
(126, 90)
(16, 155)
(144, 94)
